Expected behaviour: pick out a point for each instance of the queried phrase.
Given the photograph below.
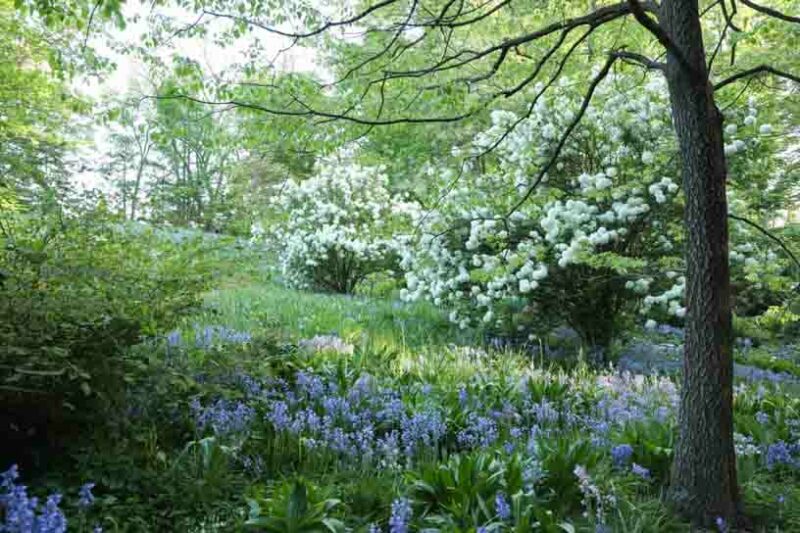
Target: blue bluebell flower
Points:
(621, 455)
(639, 470)
(501, 506)
(85, 496)
(401, 515)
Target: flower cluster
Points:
(25, 514)
(401, 514)
(608, 210)
(322, 343)
(207, 336)
(223, 417)
(612, 189)
(593, 497)
(340, 225)
(386, 424)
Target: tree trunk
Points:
(703, 485)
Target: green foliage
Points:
(294, 507)
(460, 492)
(76, 291)
(36, 110)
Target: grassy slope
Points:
(363, 321)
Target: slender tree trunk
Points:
(703, 484)
(144, 152)
(138, 184)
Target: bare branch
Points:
(441, 24)
(89, 23)
(729, 17)
(771, 12)
(310, 112)
(595, 18)
(386, 48)
(640, 59)
(756, 71)
(311, 33)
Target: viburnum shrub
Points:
(338, 226)
(597, 239)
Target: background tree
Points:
(36, 111)
(131, 158)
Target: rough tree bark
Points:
(703, 484)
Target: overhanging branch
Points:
(311, 33)
(772, 237)
(639, 59)
(757, 71)
(310, 112)
(771, 12)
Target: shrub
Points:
(594, 240)
(77, 290)
(337, 227)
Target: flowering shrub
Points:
(600, 236)
(337, 227)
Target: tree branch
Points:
(595, 18)
(653, 27)
(771, 12)
(310, 112)
(89, 23)
(772, 236)
(756, 71)
(640, 59)
(310, 33)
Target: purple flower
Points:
(722, 527)
(621, 455)
(51, 520)
(22, 513)
(85, 496)
(401, 514)
(9, 477)
(779, 454)
(223, 417)
(501, 506)
(762, 417)
(174, 338)
(424, 428)
(463, 396)
(639, 470)
(481, 431)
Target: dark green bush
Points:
(76, 290)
